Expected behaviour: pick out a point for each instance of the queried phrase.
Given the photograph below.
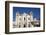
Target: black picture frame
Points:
(7, 16)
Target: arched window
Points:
(24, 25)
(28, 25)
(28, 18)
(24, 18)
(19, 26)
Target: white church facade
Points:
(25, 20)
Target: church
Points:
(25, 20)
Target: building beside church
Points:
(25, 20)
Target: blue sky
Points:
(35, 11)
